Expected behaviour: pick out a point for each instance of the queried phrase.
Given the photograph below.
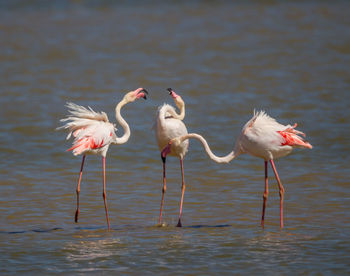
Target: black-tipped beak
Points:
(145, 93)
(170, 91)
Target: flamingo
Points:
(168, 126)
(94, 134)
(262, 136)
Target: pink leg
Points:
(78, 189)
(163, 191)
(104, 190)
(266, 193)
(280, 186)
(183, 187)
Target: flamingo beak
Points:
(144, 93)
(172, 93)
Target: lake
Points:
(289, 58)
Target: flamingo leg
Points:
(183, 187)
(163, 190)
(281, 189)
(266, 193)
(78, 189)
(104, 189)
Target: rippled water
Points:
(224, 59)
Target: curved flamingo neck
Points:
(212, 156)
(123, 139)
(169, 109)
(180, 116)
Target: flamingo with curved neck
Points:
(168, 126)
(94, 134)
(262, 136)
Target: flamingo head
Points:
(177, 98)
(136, 94)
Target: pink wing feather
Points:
(92, 130)
(291, 138)
(93, 137)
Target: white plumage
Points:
(168, 126)
(262, 136)
(92, 130)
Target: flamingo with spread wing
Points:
(93, 134)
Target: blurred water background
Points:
(290, 58)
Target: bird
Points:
(262, 136)
(169, 125)
(93, 134)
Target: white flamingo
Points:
(94, 134)
(262, 136)
(168, 126)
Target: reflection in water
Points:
(273, 244)
(86, 249)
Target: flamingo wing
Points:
(81, 118)
(95, 136)
(264, 137)
(291, 138)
